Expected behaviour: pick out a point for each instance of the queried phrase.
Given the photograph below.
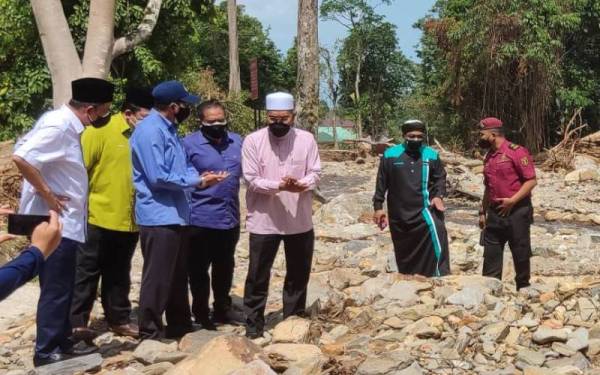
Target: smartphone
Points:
(24, 224)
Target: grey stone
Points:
(71, 366)
(578, 360)
(357, 245)
(401, 357)
(531, 357)
(579, 339)
(586, 309)
(391, 265)
(469, 297)
(563, 349)
(545, 335)
(528, 322)
(157, 368)
(495, 332)
(593, 347)
(413, 369)
(376, 366)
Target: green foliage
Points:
(24, 77)
(371, 52)
(530, 63)
(240, 117)
(190, 35)
(253, 40)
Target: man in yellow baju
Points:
(111, 231)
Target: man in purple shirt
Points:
(215, 215)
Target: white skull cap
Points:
(280, 101)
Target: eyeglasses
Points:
(214, 123)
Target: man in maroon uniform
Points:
(506, 212)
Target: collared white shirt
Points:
(53, 147)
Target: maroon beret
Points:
(490, 123)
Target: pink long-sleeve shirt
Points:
(266, 160)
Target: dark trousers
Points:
(513, 229)
(164, 282)
(212, 248)
(107, 254)
(298, 259)
(57, 279)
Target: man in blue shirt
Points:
(215, 216)
(162, 180)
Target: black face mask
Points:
(214, 131)
(484, 143)
(183, 114)
(279, 129)
(100, 121)
(413, 145)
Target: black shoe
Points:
(50, 359)
(206, 324)
(228, 317)
(253, 333)
(177, 332)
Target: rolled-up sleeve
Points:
(251, 171)
(42, 146)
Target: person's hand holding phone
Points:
(47, 235)
(5, 210)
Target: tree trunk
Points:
(144, 30)
(235, 84)
(335, 141)
(97, 55)
(59, 49)
(357, 97)
(307, 83)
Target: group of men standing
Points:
(412, 177)
(130, 177)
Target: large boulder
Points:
(293, 330)
(285, 356)
(220, 356)
(345, 209)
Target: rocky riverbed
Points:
(364, 318)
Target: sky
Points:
(280, 17)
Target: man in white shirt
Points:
(50, 159)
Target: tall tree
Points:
(235, 83)
(100, 47)
(386, 75)
(329, 72)
(307, 83)
(356, 16)
(512, 59)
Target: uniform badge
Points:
(524, 161)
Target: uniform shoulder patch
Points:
(524, 161)
(514, 146)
